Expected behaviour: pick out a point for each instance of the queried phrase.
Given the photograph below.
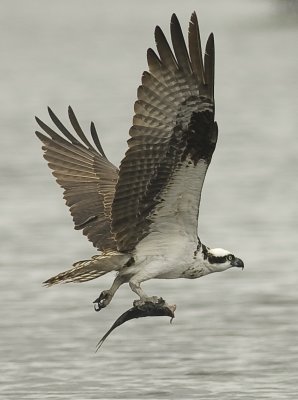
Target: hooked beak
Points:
(237, 263)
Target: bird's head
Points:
(220, 260)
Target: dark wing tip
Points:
(151, 55)
(96, 139)
(39, 134)
(179, 46)
(174, 19)
(165, 53)
(194, 19)
(195, 51)
(209, 50)
(71, 114)
(211, 39)
(194, 16)
(157, 30)
(153, 60)
(209, 64)
(38, 120)
(51, 113)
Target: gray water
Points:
(235, 333)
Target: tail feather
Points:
(87, 270)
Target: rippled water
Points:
(235, 334)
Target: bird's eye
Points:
(231, 257)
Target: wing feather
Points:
(87, 176)
(180, 46)
(76, 126)
(195, 49)
(164, 50)
(172, 141)
(209, 63)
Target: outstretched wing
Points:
(172, 141)
(87, 176)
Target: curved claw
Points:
(102, 301)
(97, 306)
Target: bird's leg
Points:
(144, 298)
(106, 295)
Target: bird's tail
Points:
(86, 270)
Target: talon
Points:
(97, 307)
(102, 301)
(153, 300)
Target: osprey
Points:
(143, 216)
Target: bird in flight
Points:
(143, 217)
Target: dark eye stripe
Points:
(216, 260)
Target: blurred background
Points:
(235, 334)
